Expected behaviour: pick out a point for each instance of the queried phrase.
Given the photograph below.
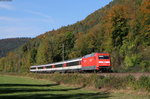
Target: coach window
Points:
(40, 67)
(33, 68)
(49, 67)
(73, 63)
(59, 65)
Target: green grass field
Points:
(27, 88)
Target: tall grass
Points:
(143, 83)
(96, 81)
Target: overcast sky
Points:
(30, 18)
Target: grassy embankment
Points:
(25, 87)
(94, 81)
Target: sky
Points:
(30, 18)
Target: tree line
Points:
(122, 28)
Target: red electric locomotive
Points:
(91, 62)
(96, 61)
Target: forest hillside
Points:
(10, 44)
(121, 28)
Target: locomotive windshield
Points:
(103, 57)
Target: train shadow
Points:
(59, 96)
(34, 91)
(31, 85)
(25, 88)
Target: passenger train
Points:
(97, 62)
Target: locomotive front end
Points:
(104, 63)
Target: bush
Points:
(115, 82)
(97, 81)
(132, 60)
(143, 83)
(101, 82)
(129, 80)
(145, 65)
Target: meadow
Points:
(17, 87)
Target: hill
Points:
(121, 28)
(7, 45)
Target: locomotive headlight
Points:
(104, 61)
(107, 61)
(100, 61)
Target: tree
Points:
(32, 56)
(144, 21)
(43, 53)
(119, 25)
(69, 40)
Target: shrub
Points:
(101, 82)
(143, 83)
(97, 81)
(129, 80)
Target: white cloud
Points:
(6, 6)
(25, 20)
(16, 31)
(22, 27)
(5, 18)
(25, 26)
(39, 14)
(45, 17)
